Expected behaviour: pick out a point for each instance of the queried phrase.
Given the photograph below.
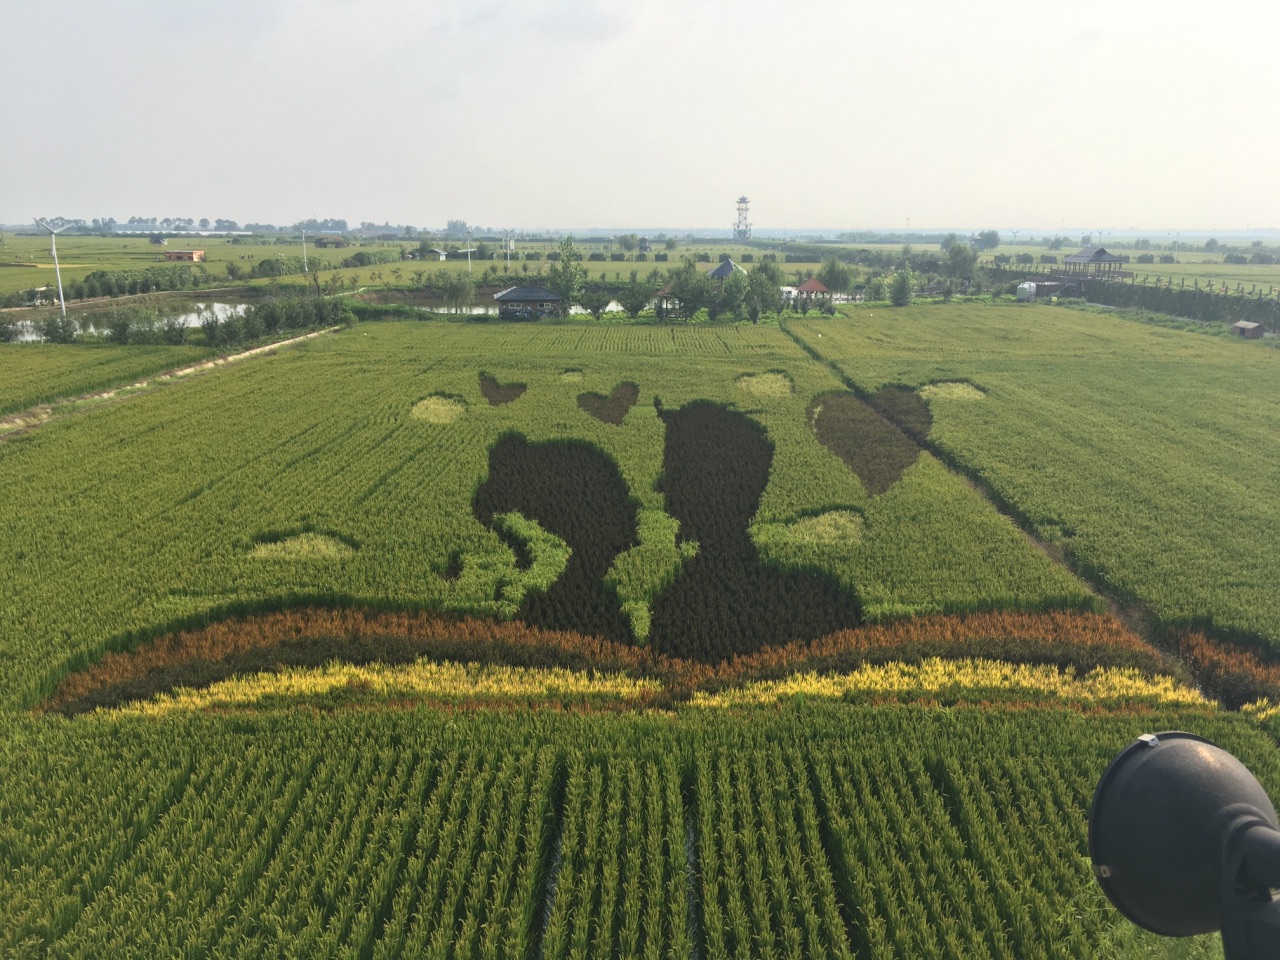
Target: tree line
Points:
(141, 326)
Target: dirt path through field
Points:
(16, 423)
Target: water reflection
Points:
(99, 323)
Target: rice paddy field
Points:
(1146, 455)
(538, 640)
(36, 373)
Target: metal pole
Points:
(304, 253)
(53, 240)
(53, 245)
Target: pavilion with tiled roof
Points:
(812, 289)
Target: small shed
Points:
(813, 289)
(441, 254)
(527, 303)
(1093, 261)
(1247, 329)
(195, 256)
(330, 241)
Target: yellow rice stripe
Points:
(938, 676)
(423, 680)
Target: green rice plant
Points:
(817, 830)
(1146, 456)
(186, 481)
(34, 373)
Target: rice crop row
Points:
(1147, 455)
(309, 638)
(36, 373)
(792, 831)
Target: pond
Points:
(98, 322)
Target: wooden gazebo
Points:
(813, 289)
(1093, 262)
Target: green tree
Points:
(118, 327)
(595, 299)
(174, 330)
(565, 275)
(771, 270)
(691, 287)
(628, 242)
(961, 261)
(456, 289)
(730, 297)
(671, 243)
(211, 326)
(635, 296)
(764, 291)
(902, 287)
(988, 239)
(834, 275)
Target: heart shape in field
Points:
(499, 393)
(878, 438)
(614, 407)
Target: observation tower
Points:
(742, 229)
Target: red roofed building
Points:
(813, 289)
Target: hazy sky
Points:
(635, 113)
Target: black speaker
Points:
(1184, 840)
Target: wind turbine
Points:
(53, 244)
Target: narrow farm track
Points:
(17, 423)
(1133, 614)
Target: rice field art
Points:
(622, 640)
